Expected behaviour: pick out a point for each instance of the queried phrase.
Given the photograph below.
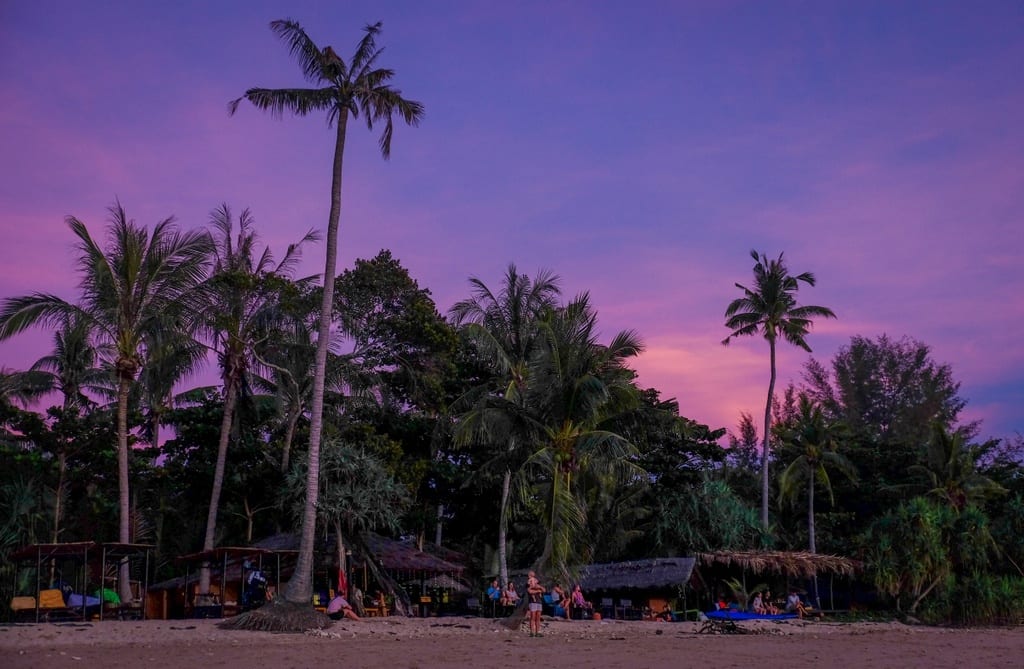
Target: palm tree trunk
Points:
(289, 434)
(810, 511)
(299, 589)
(506, 485)
(124, 500)
(58, 502)
(230, 395)
(767, 437)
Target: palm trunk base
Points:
(278, 615)
(514, 620)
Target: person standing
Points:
(535, 595)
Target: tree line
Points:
(506, 427)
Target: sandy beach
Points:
(464, 642)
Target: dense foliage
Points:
(508, 430)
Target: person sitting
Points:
(757, 606)
(559, 597)
(794, 605)
(578, 602)
(494, 591)
(510, 597)
(769, 605)
(340, 608)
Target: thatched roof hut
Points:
(637, 574)
(794, 564)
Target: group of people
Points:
(763, 604)
(509, 596)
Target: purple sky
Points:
(639, 150)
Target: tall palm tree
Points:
(817, 441)
(577, 386)
(504, 327)
(126, 291)
(770, 308)
(240, 301)
(343, 89)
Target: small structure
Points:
(792, 565)
(176, 597)
(640, 586)
(81, 567)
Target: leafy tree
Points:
(815, 441)
(889, 394)
(921, 548)
(397, 332)
(503, 326)
(357, 493)
(706, 517)
(126, 291)
(353, 88)
(770, 309)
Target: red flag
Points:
(342, 583)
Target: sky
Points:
(640, 150)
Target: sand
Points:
(406, 643)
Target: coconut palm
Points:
(577, 386)
(950, 471)
(239, 312)
(770, 308)
(126, 291)
(70, 369)
(171, 356)
(343, 89)
(816, 440)
(504, 328)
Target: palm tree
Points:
(770, 309)
(817, 440)
(126, 291)
(358, 87)
(577, 386)
(171, 356)
(504, 328)
(240, 311)
(950, 471)
(70, 369)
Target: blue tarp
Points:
(747, 615)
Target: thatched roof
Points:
(797, 564)
(404, 556)
(390, 554)
(638, 574)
